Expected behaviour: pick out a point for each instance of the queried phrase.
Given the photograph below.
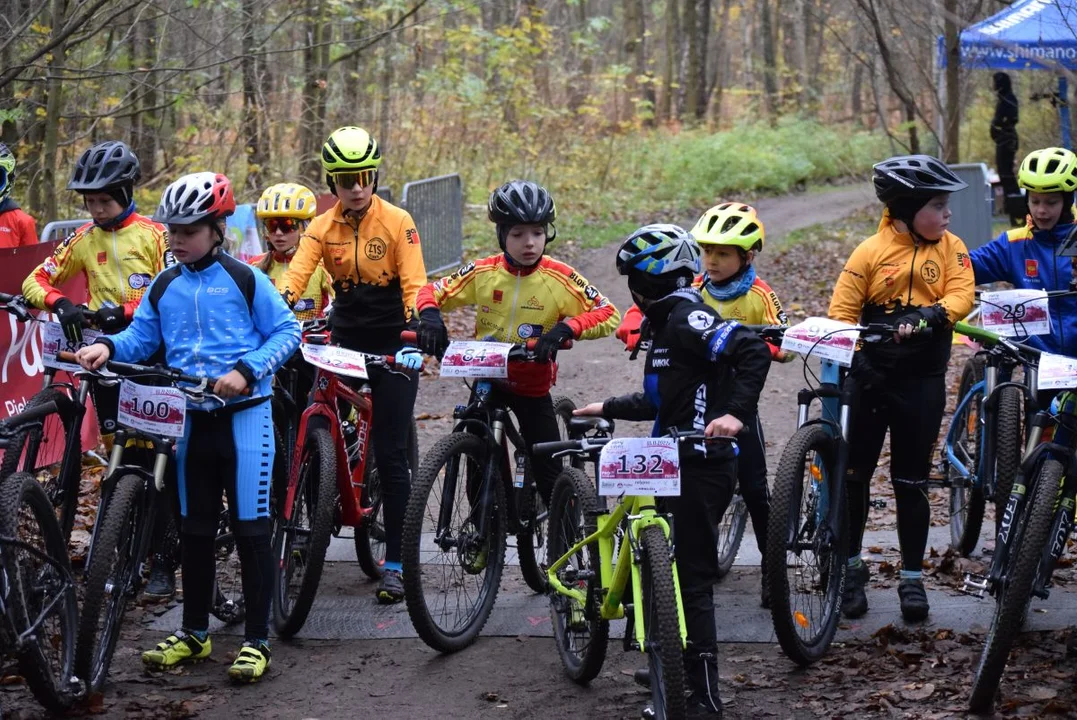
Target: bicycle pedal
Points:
(878, 504)
(975, 585)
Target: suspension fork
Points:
(985, 473)
(489, 469)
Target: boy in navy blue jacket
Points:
(1027, 257)
(217, 317)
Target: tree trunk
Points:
(951, 144)
(579, 78)
(697, 28)
(9, 130)
(312, 111)
(770, 58)
(720, 64)
(254, 130)
(800, 39)
(54, 90)
(385, 107)
(146, 123)
(669, 64)
(639, 86)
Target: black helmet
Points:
(521, 202)
(914, 176)
(105, 166)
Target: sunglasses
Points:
(285, 225)
(348, 180)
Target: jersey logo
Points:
(930, 272)
(591, 292)
(375, 248)
(700, 320)
(304, 304)
(720, 338)
(534, 304)
(528, 330)
(498, 295)
(412, 236)
(1032, 268)
(964, 260)
(217, 291)
(102, 258)
(137, 281)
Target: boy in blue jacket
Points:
(216, 317)
(1027, 257)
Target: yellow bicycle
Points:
(587, 588)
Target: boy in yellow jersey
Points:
(285, 211)
(730, 235)
(521, 293)
(119, 252)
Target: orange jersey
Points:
(119, 264)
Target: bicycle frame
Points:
(835, 400)
(640, 513)
(328, 390)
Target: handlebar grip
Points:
(549, 448)
(67, 357)
(530, 344)
(6, 298)
(409, 336)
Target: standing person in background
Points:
(1004, 135)
(17, 229)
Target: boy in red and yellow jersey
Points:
(17, 229)
(521, 294)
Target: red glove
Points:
(628, 331)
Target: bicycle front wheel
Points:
(452, 567)
(580, 632)
(1032, 530)
(731, 533)
(110, 580)
(805, 563)
(967, 501)
(33, 584)
(39, 450)
(665, 653)
(302, 540)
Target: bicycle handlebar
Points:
(411, 337)
(202, 384)
(585, 444)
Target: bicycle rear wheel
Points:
(805, 565)
(111, 579)
(452, 572)
(731, 533)
(579, 631)
(302, 540)
(967, 502)
(48, 661)
(665, 652)
(39, 450)
(370, 535)
(1032, 531)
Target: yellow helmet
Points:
(350, 149)
(287, 200)
(734, 224)
(1049, 170)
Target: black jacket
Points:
(699, 367)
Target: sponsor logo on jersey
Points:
(1032, 268)
(486, 308)
(412, 236)
(218, 291)
(534, 304)
(102, 257)
(304, 304)
(591, 292)
(700, 320)
(137, 281)
(528, 330)
(930, 272)
(375, 248)
(498, 296)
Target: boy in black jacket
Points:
(704, 374)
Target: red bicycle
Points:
(332, 482)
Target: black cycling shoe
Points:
(914, 607)
(391, 588)
(701, 707)
(854, 601)
(162, 583)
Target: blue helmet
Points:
(659, 250)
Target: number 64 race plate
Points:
(156, 410)
(640, 466)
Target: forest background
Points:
(624, 108)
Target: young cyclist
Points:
(730, 235)
(702, 373)
(1027, 257)
(522, 293)
(215, 317)
(371, 250)
(16, 227)
(285, 211)
(119, 253)
(912, 274)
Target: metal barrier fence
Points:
(973, 206)
(60, 229)
(437, 206)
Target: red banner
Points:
(22, 369)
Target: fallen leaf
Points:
(1039, 692)
(919, 692)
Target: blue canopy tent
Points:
(1028, 35)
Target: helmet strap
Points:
(119, 219)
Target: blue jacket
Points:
(1026, 258)
(213, 316)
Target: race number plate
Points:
(54, 342)
(640, 466)
(1057, 372)
(824, 338)
(157, 410)
(1016, 313)
(336, 360)
(476, 359)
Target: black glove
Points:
(72, 318)
(551, 341)
(865, 373)
(432, 334)
(110, 319)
